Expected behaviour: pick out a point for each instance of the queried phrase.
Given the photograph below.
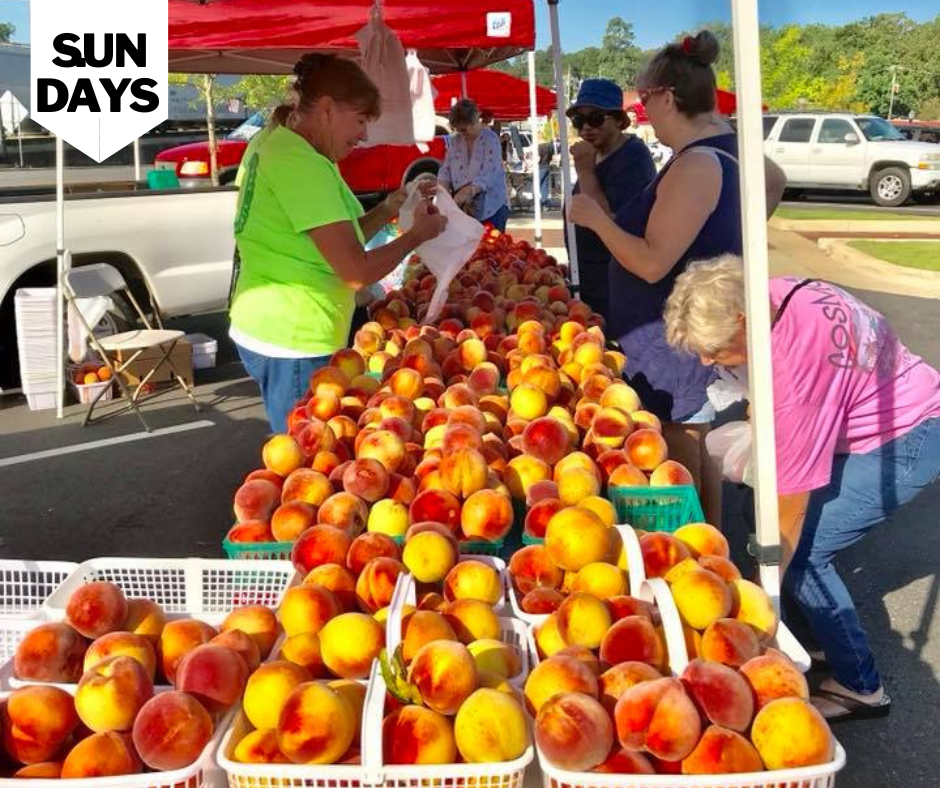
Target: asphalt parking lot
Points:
(70, 492)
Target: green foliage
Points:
(6, 32)
(262, 90)
(930, 109)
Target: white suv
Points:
(852, 152)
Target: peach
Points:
(541, 491)
(402, 429)
(753, 606)
(659, 717)
(367, 546)
(583, 654)
(122, 644)
(385, 446)
(616, 680)
(266, 475)
(495, 657)
(321, 544)
(37, 720)
(463, 472)
(400, 407)
(315, 436)
(401, 488)
(544, 378)
(730, 642)
(643, 419)
(608, 461)
(583, 620)
(366, 478)
(721, 693)
(576, 537)
(789, 733)
(431, 600)
(546, 439)
(256, 500)
(323, 407)
(214, 675)
(633, 639)
(623, 606)
(621, 396)
(257, 621)
(555, 675)
(577, 459)
(445, 674)
(627, 475)
(532, 567)
(242, 644)
(541, 601)
(701, 598)
(97, 608)
(344, 428)
(528, 402)
(523, 472)
(291, 519)
(111, 693)
(548, 639)
(376, 584)
(423, 627)
(538, 516)
(438, 506)
(491, 727)
(108, 754)
(471, 620)
(307, 609)
(259, 747)
(703, 539)
(329, 379)
(773, 675)
(179, 637)
(416, 735)
(304, 650)
(388, 517)
(577, 484)
(661, 552)
(429, 556)
(268, 689)
(250, 531)
(646, 449)
(670, 474)
(349, 643)
(611, 426)
(722, 751)
(145, 617)
(472, 579)
(345, 511)
(602, 508)
(171, 731)
(622, 761)
(574, 732)
(348, 361)
(354, 692)
(722, 567)
(407, 383)
(47, 770)
(601, 580)
(467, 416)
(339, 580)
(486, 515)
(484, 379)
(307, 485)
(317, 725)
(282, 454)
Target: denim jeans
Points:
(499, 219)
(865, 489)
(283, 381)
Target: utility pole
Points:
(894, 89)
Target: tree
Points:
(210, 92)
(261, 91)
(930, 109)
(619, 57)
(6, 32)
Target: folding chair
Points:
(101, 279)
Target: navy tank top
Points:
(671, 384)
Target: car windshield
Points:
(250, 127)
(878, 130)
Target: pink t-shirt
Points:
(843, 382)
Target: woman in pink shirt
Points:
(857, 419)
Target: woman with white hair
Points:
(857, 419)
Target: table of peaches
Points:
(469, 562)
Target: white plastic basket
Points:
(193, 586)
(25, 585)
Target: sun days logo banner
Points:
(99, 70)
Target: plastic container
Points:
(253, 551)
(656, 508)
(43, 400)
(25, 585)
(205, 349)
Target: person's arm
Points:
(585, 165)
(373, 221)
(491, 174)
(444, 176)
(685, 199)
(792, 514)
(775, 181)
(358, 268)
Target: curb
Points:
(917, 226)
(925, 284)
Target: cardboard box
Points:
(182, 357)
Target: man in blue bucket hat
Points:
(612, 166)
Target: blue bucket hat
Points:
(601, 93)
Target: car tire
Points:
(891, 187)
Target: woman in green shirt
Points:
(300, 233)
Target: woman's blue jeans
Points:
(283, 382)
(865, 489)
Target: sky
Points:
(653, 28)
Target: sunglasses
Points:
(645, 95)
(596, 119)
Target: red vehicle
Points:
(368, 171)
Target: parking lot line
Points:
(100, 444)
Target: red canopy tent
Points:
(506, 96)
(727, 104)
(254, 37)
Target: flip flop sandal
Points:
(854, 708)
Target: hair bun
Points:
(703, 48)
(309, 62)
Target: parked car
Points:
(852, 152)
(918, 132)
(368, 171)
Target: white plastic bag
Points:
(731, 387)
(445, 255)
(422, 98)
(383, 59)
(730, 444)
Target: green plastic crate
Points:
(656, 508)
(480, 547)
(260, 550)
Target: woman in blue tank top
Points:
(691, 211)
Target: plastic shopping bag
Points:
(383, 59)
(730, 444)
(730, 387)
(445, 255)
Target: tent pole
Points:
(463, 84)
(563, 139)
(60, 276)
(136, 158)
(536, 175)
(754, 220)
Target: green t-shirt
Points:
(287, 293)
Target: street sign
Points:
(99, 71)
(12, 113)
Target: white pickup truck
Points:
(852, 152)
(174, 247)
